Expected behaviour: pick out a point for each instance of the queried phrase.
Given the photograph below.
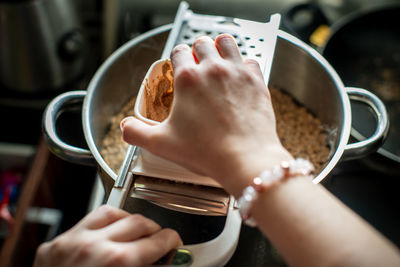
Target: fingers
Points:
(101, 217)
(136, 132)
(253, 66)
(228, 48)
(204, 48)
(255, 69)
(181, 56)
(130, 228)
(150, 249)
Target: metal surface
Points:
(41, 45)
(375, 141)
(125, 166)
(117, 197)
(54, 143)
(256, 40)
(307, 76)
(117, 81)
(184, 197)
(122, 185)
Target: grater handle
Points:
(274, 22)
(219, 250)
(123, 183)
(118, 195)
(215, 252)
(173, 35)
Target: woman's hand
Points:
(221, 123)
(109, 237)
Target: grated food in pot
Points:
(113, 147)
(300, 132)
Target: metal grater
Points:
(255, 40)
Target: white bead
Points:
(301, 166)
(246, 200)
(265, 175)
(244, 206)
(277, 173)
(250, 194)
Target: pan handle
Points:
(308, 22)
(371, 144)
(54, 143)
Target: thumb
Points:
(136, 132)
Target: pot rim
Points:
(341, 26)
(344, 134)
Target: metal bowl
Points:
(297, 68)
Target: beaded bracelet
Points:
(268, 179)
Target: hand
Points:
(221, 123)
(109, 237)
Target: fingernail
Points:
(123, 122)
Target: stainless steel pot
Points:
(297, 68)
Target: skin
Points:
(222, 125)
(109, 237)
(221, 114)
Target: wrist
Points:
(269, 179)
(245, 166)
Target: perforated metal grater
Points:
(255, 40)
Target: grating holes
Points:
(261, 40)
(244, 53)
(239, 44)
(208, 32)
(186, 37)
(247, 38)
(195, 30)
(258, 55)
(252, 46)
(235, 36)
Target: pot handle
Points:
(371, 144)
(308, 22)
(54, 143)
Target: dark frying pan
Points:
(364, 48)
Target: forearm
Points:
(310, 227)
(222, 125)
